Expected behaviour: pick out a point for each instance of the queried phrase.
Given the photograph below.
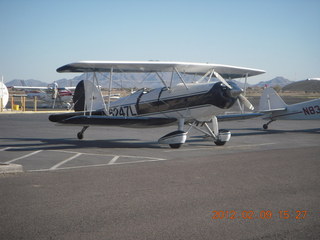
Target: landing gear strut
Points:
(80, 134)
(177, 138)
(220, 137)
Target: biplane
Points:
(52, 94)
(188, 104)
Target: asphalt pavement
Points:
(119, 183)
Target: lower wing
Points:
(100, 120)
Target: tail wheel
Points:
(80, 135)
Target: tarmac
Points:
(119, 183)
(17, 168)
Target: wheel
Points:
(80, 135)
(220, 143)
(265, 126)
(176, 145)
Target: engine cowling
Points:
(223, 97)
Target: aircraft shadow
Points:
(34, 144)
(259, 131)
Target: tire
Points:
(80, 135)
(220, 143)
(176, 145)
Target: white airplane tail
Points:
(87, 97)
(271, 101)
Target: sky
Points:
(279, 36)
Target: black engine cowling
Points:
(221, 96)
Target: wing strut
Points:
(184, 83)
(204, 76)
(164, 83)
(110, 86)
(91, 103)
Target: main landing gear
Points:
(80, 134)
(220, 137)
(177, 138)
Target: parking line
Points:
(113, 160)
(65, 161)
(4, 149)
(24, 156)
(98, 165)
(110, 155)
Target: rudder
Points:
(87, 97)
(270, 100)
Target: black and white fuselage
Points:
(190, 102)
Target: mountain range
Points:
(139, 80)
(306, 85)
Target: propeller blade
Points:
(246, 102)
(217, 75)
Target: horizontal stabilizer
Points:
(273, 110)
(62, 116)
(232, 117)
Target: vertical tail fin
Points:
(270, 100)
(87, 97)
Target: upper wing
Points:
(225, 71)
(30, 88)
(68, 88)
(42, 88)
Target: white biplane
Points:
(194, 104)
(274, 108)
(52, 94)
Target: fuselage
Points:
(193, 101)
(300, 111)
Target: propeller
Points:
(217, 75)
(246, 102)
(235, 92)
